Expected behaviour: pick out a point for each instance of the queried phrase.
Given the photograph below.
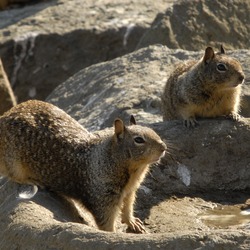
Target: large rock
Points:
(193, 25)
(209, 163)
(43, 44)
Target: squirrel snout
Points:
(163, 146)
(241, 77)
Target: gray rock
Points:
(42, 45)
(193, 25)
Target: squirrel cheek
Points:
(129, 154)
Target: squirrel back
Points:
(41, 145)
(209, 87)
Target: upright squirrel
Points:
(42, 145)
(209, 87)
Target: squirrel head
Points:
(137, 144)
(221, 70)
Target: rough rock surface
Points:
(207, 171)
(7, 97)
(192, 25)
(43, 44)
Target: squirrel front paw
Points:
(190, 122)
(234, 116)
(135, 225)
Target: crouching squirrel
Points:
(42, 145)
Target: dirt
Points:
(198, 213)
(177, 214)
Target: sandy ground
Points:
(199, 212)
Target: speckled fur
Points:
(198, 89)
(41, 145)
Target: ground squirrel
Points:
(41, 145)
(210, 87)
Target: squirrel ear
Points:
(132, 120)
(222, 51)
(119, 128)
(209, 55)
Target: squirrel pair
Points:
(209, 87)
(42, 145)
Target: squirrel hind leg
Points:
(15, 170)
(106, 218)
(108, 226)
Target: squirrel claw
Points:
(234, 116)
(135, 225)
(190, 122)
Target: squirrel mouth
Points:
(235, 84)
(239, 82)
(156, 159)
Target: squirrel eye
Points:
(221, 67)
(139, 139)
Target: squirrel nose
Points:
(241, 78)
(163, 146)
